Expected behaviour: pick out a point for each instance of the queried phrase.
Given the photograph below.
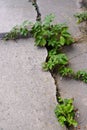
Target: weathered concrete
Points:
(69, 88)
(77, 55)
(15, 12)
(63, 10)
(82, 4)
(27, 94)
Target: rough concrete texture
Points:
(70, 88)
(78, 56)
(27, 94)
(14, 12)
(64, 11)
(77, 53)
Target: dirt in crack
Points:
(34, 3)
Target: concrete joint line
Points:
(34, 3)
(38, 18)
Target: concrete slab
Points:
(15, 12)
(69, 88)
(27, 94)
(77, 54)
(63, 10)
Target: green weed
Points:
(66, 72)
(17, 31)
(65, 113)
(81, 75)
(81, 17)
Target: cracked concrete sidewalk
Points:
(77, 53)
(70, 88)
(27, 94)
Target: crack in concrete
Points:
(38, 18)
(34, 3)
(54, 76)
(2, 35)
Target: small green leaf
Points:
(62, 40)
(65, 113)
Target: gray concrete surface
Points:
(13, 12)
(63, 10)
(27, 94)
(70, 88)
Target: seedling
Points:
(65, 112)
(81, 17)
(66, 72)
(81, 75)
(19, 31)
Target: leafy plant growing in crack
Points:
(52, 36)
(66, 72)
(81, 17)
(65, 112)
(81, 75)
(55, 60)
(19, 31)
